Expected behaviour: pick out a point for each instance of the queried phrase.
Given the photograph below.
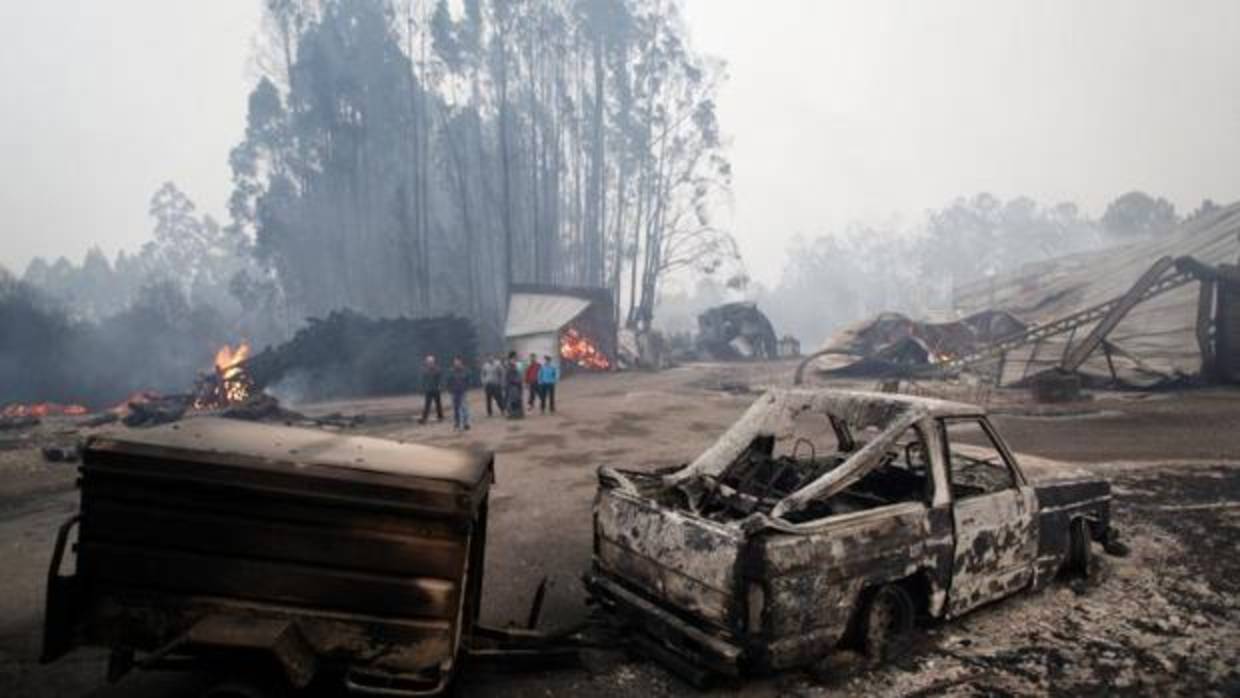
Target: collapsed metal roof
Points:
(1136, 314)
(1155, 340)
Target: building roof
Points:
(537, 313)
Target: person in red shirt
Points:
(531, 378)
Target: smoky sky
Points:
(836, 111)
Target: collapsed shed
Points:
(576, 324)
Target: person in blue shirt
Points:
(548, 376)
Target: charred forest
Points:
(406, 159)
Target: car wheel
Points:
(1079, 548)
(887, 623)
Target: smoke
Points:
(160, 342)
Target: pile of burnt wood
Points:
(348, 354)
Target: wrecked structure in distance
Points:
(827, 517)
(1138, 315)
(894, 345)
(735, 332)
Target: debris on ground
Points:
(61, 454)
(892, 345)
(155, 410)
(15, 423)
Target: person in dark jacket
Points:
(531, 378)
(512, 387)
(432, 380)
(458, 384)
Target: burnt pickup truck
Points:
(825, 518)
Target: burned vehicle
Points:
(828, 517)
(298, 555)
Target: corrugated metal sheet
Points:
(537, 313)
(1156, 340)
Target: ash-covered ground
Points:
(1163, 621)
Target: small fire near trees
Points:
(228, 383)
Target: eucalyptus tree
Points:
(419, 156)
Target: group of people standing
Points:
(505, 382)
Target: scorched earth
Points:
(1164, 620)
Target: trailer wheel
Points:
(1078, 548)
(887, 623)
(252, 685)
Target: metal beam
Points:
(1116, 313)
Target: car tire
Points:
(1079, 551)
(887, 623)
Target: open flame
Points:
(577, 348)
(42, 409)
(228, 384)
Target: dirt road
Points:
(1163, 620)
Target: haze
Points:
(836, 111)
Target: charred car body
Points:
(824, 517)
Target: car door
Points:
(993, 511)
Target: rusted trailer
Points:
(317, 556)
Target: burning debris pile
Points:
(736, 332)
(20, 416)
(344, 354)
(42, 409)
(229, 383)
(578, 349)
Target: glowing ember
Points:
(577, 348)
(42, 409)
(229, 384)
